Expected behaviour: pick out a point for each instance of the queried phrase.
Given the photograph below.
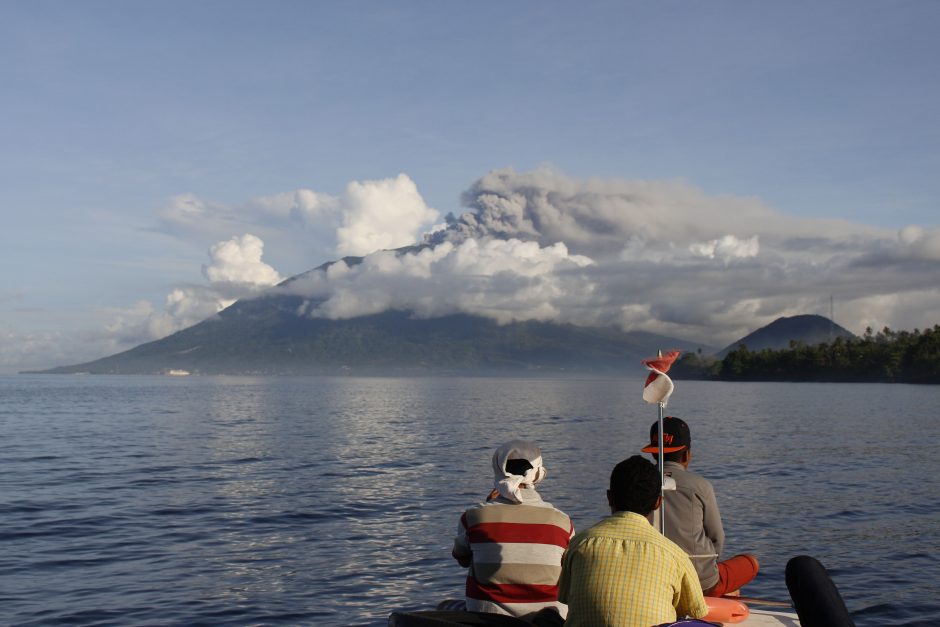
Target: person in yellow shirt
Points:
(622, 572)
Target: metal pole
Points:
(662, 476)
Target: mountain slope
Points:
(266, 336)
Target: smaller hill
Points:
(806, 329)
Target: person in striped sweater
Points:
(513, 543)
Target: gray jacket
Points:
(693, 521)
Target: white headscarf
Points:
(509, 486)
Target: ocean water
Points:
(333, 501)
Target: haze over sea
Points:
(333, 501)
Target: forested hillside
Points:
(885, 356)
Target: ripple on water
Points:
(334, 501)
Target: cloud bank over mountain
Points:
(660, 256)
(507, 280)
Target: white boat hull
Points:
(765, 618)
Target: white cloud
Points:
(727, 248)
(908, 310)
(33, 350)
(302, 206)
(185, 210)
(503, 279)
(306, 227)
(238, 260)
(381, 215)
(187, 214)
(920, 243)
(235, 271)
(184, 307)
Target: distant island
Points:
(266, 336)
(270, 335)
(883, 357)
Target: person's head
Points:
(634, 486)
(677, 440)
(517, 464)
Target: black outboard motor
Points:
(816, 599)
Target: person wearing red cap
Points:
(691, 515)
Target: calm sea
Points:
(333, 501)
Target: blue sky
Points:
(113, 111)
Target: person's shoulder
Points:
(621, 529)
(545, 513)
(677, 472)
(531, 498)
(690, 478)
(519, 513)
(704, 484)
(614, 526)
(694, 476)
(549, 506)
(600, 528)
(474, 510)
(491, 505)
(582, 536)
(477, 506)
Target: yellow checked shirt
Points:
(623, 573)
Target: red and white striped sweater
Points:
(514, 550)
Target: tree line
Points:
(886, 356)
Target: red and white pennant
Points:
(658, 385)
